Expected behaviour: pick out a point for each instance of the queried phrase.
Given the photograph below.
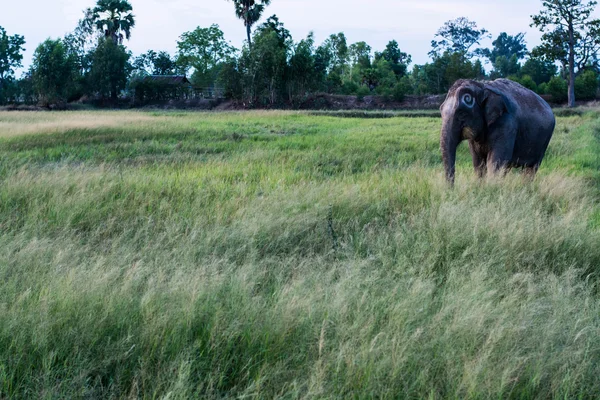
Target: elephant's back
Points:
(528, 105)
(535, 120)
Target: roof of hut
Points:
(167, 79)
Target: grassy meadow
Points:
(286, 255)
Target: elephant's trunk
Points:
(448, 143)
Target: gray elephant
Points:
(506, 125)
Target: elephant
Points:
(506, 125)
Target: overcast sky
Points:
(159, 23)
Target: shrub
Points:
(558, 88)
(586, 85)
(361, 92)
(529, 83)
(402, 88)
(349, 88)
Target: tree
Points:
(360, 55)
(337, 47)
(457, 36)
(11, 48)
(203, 50)
(507, 46)
(110, 68)
(438, 76)
(301, 76)
(155, 63)
(570, 36)
(113, 17)
(53, 72)
(264, 67)
(397, 59)
(505, 55)
(250, 12)
(540, 70)
(504, 67)
(277, 26)
(163, 64)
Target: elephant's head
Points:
(468, 112)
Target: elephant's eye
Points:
(468, 100)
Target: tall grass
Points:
(286, 255)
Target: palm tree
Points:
(250, 12)
(114, 17)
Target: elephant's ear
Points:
(494, 105)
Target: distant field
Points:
(289, 255)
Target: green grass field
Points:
(287, 255)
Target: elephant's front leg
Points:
(501, 146)
(479, 159)
(498, 162)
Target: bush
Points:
(361, 92)
(586, 86)
(543, 88)
(529, 83)
(385, 93)
(558, 89)
(401, 89)
(349, 88)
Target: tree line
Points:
(273, 69)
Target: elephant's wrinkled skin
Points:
(506, 125)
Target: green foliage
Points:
(250, 12)
(526, 81)
(203, 51)
(110, 69)
(230, 79)
(53, 71)
(569, 36)
(338, 48)
(264, 67)
(401, 89)
(586, 85)
(539, 70)
(507, 46)
(114, 18)
(504, 67)
(457, 36)
(150, 91)
(360, 55)
(349, 87)
(191, 255)
(557, 88)
(154, 63)
(380, 77)
(11, 48)
(361, 92)
(398, 60)
(438, 76)
(301, 72)
(505, 55)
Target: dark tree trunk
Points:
(114, 95)
(248, 32)
(571, 65)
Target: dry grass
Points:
(282, 255)
(19, 123)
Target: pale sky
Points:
(159, 23)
